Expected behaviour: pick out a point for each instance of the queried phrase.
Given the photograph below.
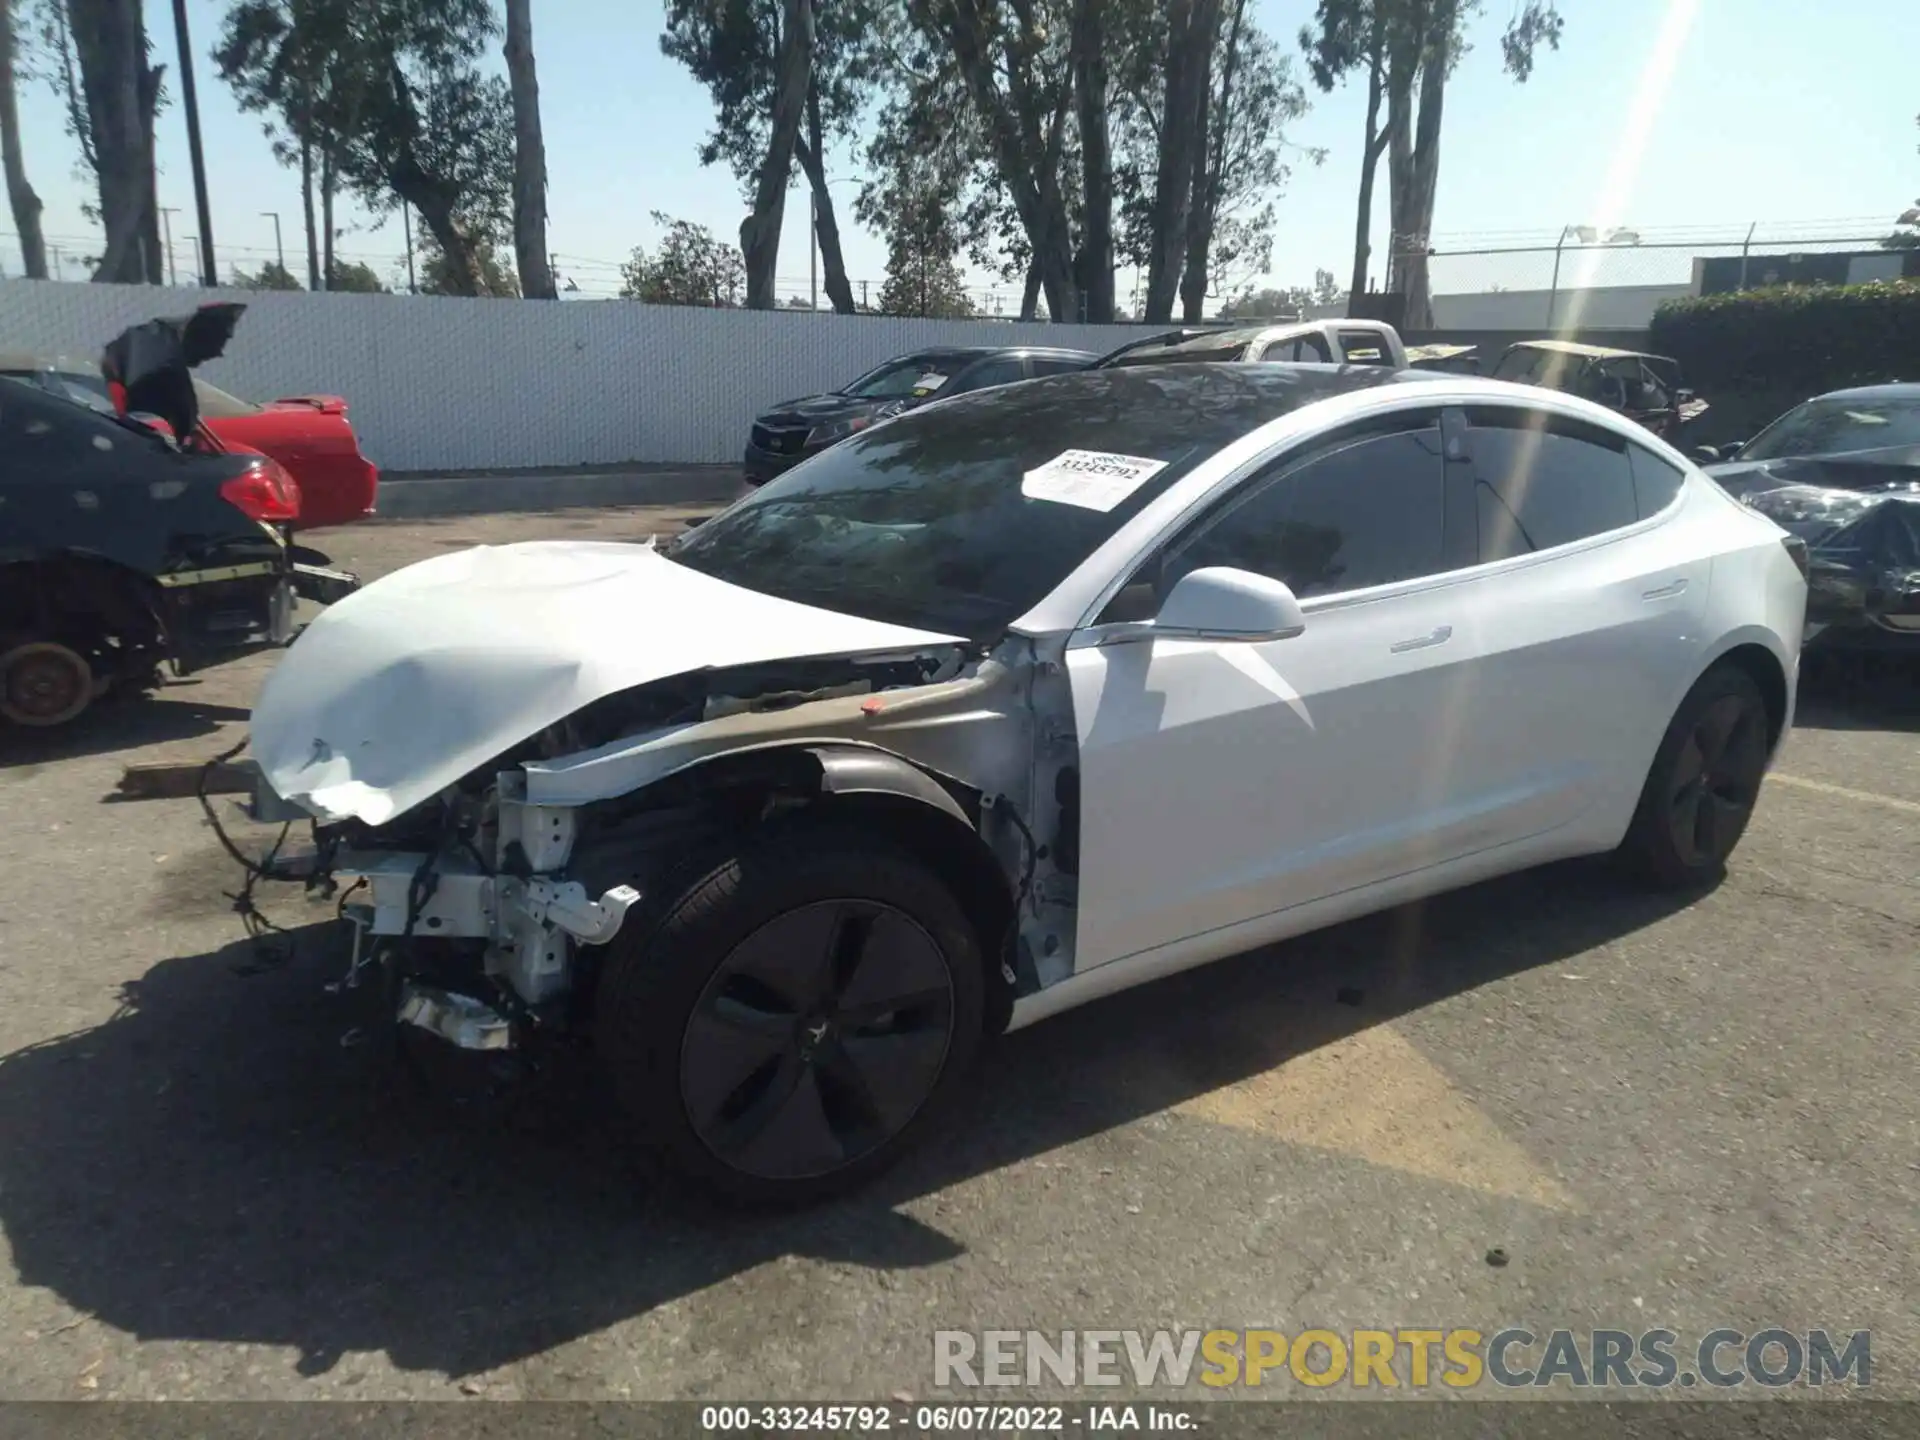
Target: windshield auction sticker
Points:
(1091, 479)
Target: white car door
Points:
(1226, 781)
(1582, 621)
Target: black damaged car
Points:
(795, 429)
(123, 549)
(1842, 471)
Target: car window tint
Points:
(1003, 371)
(1542, 481)
(1056, 364)
(1656, 482)
(1368, 513)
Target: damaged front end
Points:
(484, 915)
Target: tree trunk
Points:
(1209, 171)
(1029, 170)
(121, 91)
(464, 276)
(1030, 297)
(1369, 168)
(760, 231)
(20, 195)
(306, 206)
(327, 186)
(529, 158)
(826, 227)
(1192, 27)
(1422, 188)
(1096, 161)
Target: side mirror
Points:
(1706, 454)
(1219, 603)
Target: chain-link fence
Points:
(1616, 277)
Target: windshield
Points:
(1838, 426)
(963, 516)
(901, 379)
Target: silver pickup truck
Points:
(1326, 342)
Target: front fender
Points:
(861, 770)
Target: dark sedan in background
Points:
(1842, 471)
(795, 429)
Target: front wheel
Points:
(1704, 783)
(796, 1018)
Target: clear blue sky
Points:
(1768, 110)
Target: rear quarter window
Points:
(1656, 482)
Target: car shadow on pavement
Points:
(118, 724)
(213, 1164)
(1836, 696)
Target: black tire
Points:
(1700, 793)
(710, 1044)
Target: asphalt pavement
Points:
(1691, 1115)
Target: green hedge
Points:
(1793, 340)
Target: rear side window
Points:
(1310, 348)
(1371, 512)
(1656, 482)
(1003, 371)
(1056, 364)
(1542, 481)
(1363, 347)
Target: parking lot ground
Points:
(1667, 1114)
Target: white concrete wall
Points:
(437, 383)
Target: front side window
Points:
(908, 376)
(1541, 480)
(1369, 512)
(1838, 427)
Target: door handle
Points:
(1438, 637)
(1665, 590)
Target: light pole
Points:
(278, 249)
(190, 103)
(167, 212)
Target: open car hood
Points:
(416, 680)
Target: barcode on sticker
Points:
(1091, 479)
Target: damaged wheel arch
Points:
(935, 819)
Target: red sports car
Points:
(308, 434)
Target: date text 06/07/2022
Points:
(945, 1418)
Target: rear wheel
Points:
(796, 1018)
(44, 684)
(1704, 783)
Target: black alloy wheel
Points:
(817, 1040)
(1716, 781)
(785, 1026)
(1704, 782)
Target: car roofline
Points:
(1075, 600)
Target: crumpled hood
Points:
(400, 689)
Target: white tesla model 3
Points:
(1013, 702)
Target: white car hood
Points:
(403, 687)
